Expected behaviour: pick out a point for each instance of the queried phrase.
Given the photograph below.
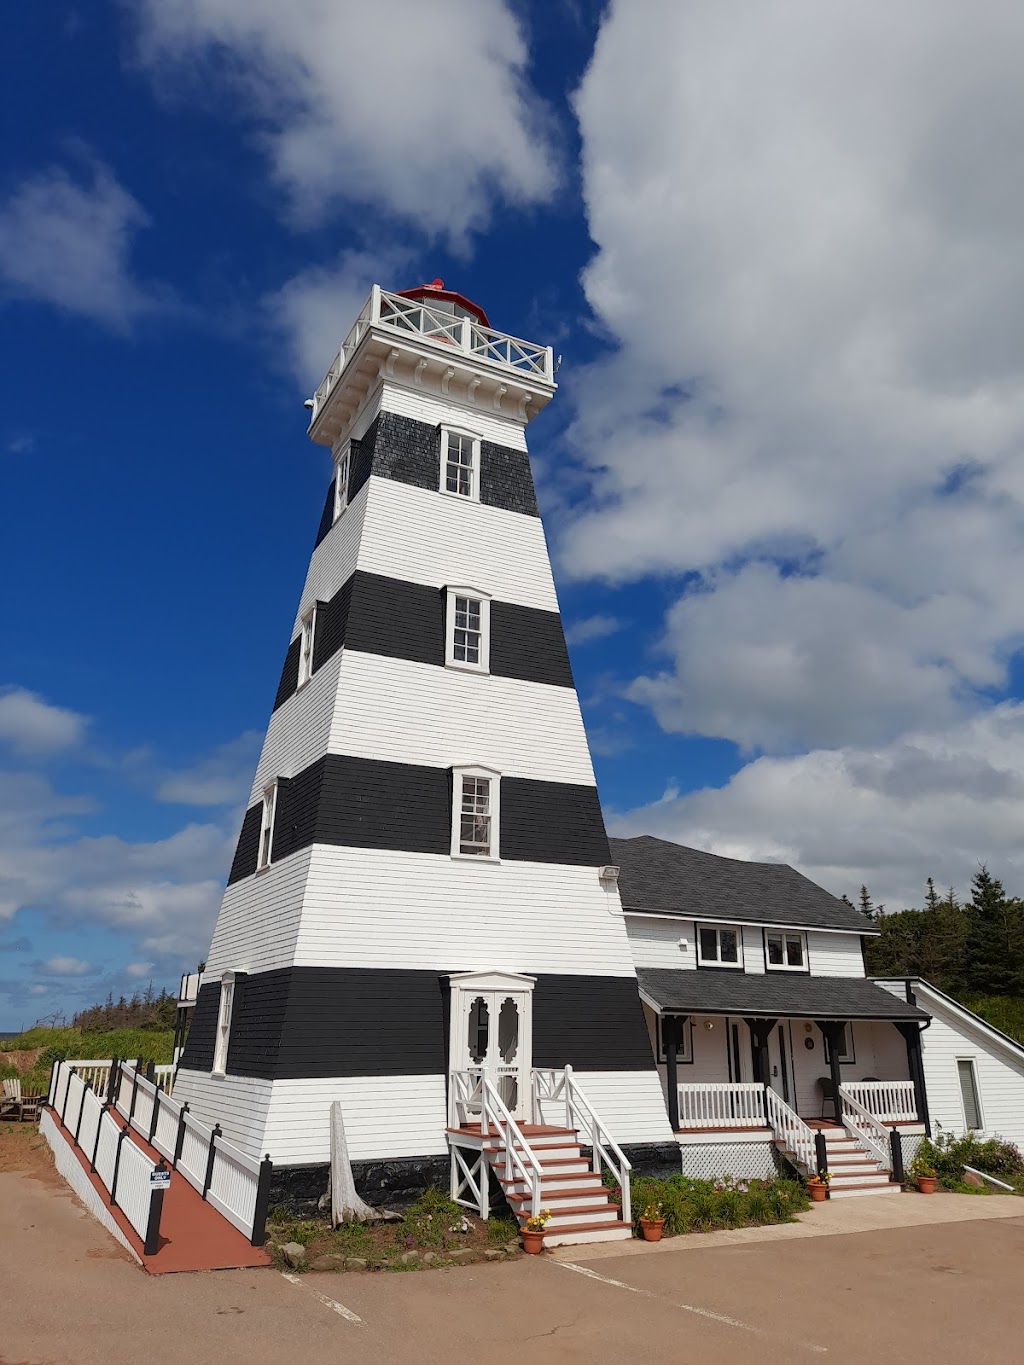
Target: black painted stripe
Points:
(309, 1022)
(367, 803)
(401, 620)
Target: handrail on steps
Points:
(864, 1128)
(581, 1116)
(789, 1129)
(518, 1152)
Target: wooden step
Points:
(557, 1201)
(574, 1234)
(880, 1187)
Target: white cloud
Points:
(138, 970)
(32, 725)
(222, 779)
(422, 111)
(66, 966)
(591, 628)
(68, 244)
(891, 816)
(807, 264)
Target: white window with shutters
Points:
(223, 1038)
(267, 827)
(468, 630)
(476, 802)
(460, 464)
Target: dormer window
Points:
(468, 630)
(341, 470)
(785, 950)
(306, 646)
(460, 463)
(267, 826)
(475, 813)
(719, 945)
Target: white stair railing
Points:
(717, 1104)
(864, 1128)
(552, 1086)
(790, 1131)
(887, 1101)
(475, 1098)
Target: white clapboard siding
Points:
(753, 950)
(258, 924)
(334, 559)
(661, 942)
(422, 536)
(299, 730)
(385, 1117)
(377, 908)
(404, 712)
(630, 1103)
(238, 1103)
(438, 411)
(835, 954)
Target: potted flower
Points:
(923, 1172)
(652, 1220)
(818, 1186)
(533, 1232)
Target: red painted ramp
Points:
(193, 1236)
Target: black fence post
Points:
(113, 1080)
(896, 1148)
(259, 1217)
(151, 1071)
(117, 1162)
(821, 1155)
(52, 1087)
(86, 1088)
(180, 1139)
(156, 1115)
(211, 1158)
(99, 1130)
(135, 1091)
(156, 1206)
(67, 1093)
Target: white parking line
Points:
(332, 1304)
(686, 1307)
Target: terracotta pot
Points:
(818, 1193)
(651, 1228)
(926, 1184)
(533, 1242)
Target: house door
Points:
(780, 1064)
(491, 1031)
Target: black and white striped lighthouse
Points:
(421, 882)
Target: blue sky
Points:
(781, 480)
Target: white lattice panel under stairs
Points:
(738, 1160)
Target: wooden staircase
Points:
(853, 1170)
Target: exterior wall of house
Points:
(670, 942)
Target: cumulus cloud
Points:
(589, 628)
(32, 725)
(811, 410)
(926, 805)
(68, 243)
(222, 778)
(422, 111)
(65, 966)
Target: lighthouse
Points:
(422, 887)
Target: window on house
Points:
(684, 1048)
(845, 1051)
(220, 1047)
(306, 646)
(267, 826)
(719, 946)
(969, 1093)
(467, 629)
(460, 463)
(341, 470)
(785, 951)
(475, 803)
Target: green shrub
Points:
(949, 1155)
(690, 1205)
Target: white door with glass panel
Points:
(491, 1031)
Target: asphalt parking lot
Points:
(942, 1292)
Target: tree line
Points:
(971, 948)
(145, 1010)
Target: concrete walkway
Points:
(838, 1218)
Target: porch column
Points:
(832, 1032)
(912, 1036)
(672, 1033)
(760, 1032)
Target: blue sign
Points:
(160, 1179)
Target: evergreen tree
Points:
(992, 963)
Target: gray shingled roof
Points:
(771, 996)
(673, 880)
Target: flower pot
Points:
(651, 1228)
(818, 1193)
(533, 1242)
(926, 1184)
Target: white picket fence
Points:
(887, 1101)
(715, 1104)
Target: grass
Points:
(154, 1044)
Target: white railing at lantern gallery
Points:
(432, 323)
(553, 1089)
(722, 1105)
(475, 1100)
(887, 1101)
(237, 1185)
(123, 1168)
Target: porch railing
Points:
(790, 1131)
(717, 1104)
(887, 1101)
(97, 1072)
(553, 1087)
(864, 1128)
(475, 1100)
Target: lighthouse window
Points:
(460, 463)
(475, 813)
(267, 826)
(467, 628)
(341, 466)
(220, 1047)
(306, 647)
